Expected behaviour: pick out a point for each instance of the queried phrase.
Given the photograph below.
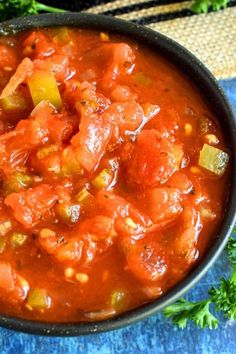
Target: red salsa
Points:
(113, 175)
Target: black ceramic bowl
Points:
(203, 79)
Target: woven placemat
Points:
(211, 37)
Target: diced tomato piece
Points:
(12, 155)
(72, 92)
(14, 147)
(45, 126)
(152, 161)
(187, 237)
(84, 94)
(115, 206)
(63, 132)
(23, 70)
(168, 121)
(88, 75)
(128, 229)
(64, 250)
(46, 123)
(30, 206)
(70, 252)
(76, 249)
(127, 119)
(181, 182)
(7, 57)
(50, 241)
(122, 93)
(7, 276)
(99, 228)
(112, 205)
(90, 95)
(117, 57)
(58, 65)
(126, 151)
(94, 132)
(49, 165)
(36, 130)
(38, 45)
(13, 288)
(97, 234)
(163, 204)
(60, 129)
(146, 259)
(91, 141)
(92, 236)
(89, 251)
(121, 59)
(124, 119)
(64, 190)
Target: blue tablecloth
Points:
(153, 335)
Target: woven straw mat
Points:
(211, 37)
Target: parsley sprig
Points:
(223, 298)
(203, 6)
(198, 312)
(13, 8)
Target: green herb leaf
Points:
(13, 8)
(225, 298)
(198, 312)
(203, 6)
(231, 249)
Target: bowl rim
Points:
(191, 65)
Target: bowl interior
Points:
(206, 83)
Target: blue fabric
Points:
(153, 335)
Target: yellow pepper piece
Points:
(16, 182)
(119, 300)
(38, 299)
(103, 180)
(46, 151)
(83, 195)
(68, 212)
(213, 159)
(13, 103)
(18, 239)
(43, 87)
(70, 165)
(5, 227)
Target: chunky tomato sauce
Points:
(113, 175)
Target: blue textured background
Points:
(154, 335)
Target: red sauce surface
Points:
(104, 188)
